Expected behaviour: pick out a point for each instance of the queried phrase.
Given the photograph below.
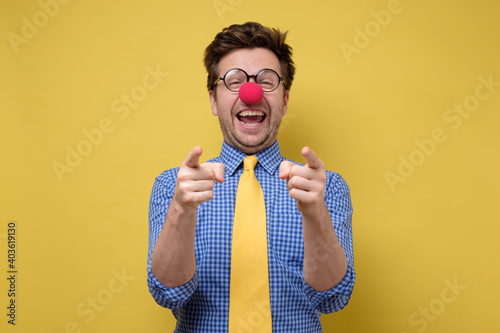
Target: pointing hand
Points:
(195, 181)
(306, 184)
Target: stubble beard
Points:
(232, 138)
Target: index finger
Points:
(312, 159)
(193, 158)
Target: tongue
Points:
(252, 119)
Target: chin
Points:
(249, 148)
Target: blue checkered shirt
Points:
(202, 304)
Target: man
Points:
(309, 268)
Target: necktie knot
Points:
(249, 163)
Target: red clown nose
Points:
(251, 93)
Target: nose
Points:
(251, 93)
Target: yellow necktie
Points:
(249, 302)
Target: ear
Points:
(285, 102)
(213, 102)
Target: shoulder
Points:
(168, 174)
(167, 179)
(215, 160)
(335, 183)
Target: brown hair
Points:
(249, 35)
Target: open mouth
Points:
(251, 118)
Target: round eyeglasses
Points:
(267, 78)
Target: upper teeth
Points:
(251, 113)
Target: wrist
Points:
(316, 213)
(178, 211)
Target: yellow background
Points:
(361, 113)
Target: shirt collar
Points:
(269, 158)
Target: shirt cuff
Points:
(335, 299)
(172, 298)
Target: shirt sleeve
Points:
(338, 201)
(161, 196)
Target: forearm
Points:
(173, 261)
(325, 263)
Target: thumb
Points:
(218, 169)
(285, 167)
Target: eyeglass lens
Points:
(267, 79)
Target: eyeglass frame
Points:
(223, 78)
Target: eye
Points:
(232, 81)
(267, 79)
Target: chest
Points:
(284, 223)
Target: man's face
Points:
(249, 128)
